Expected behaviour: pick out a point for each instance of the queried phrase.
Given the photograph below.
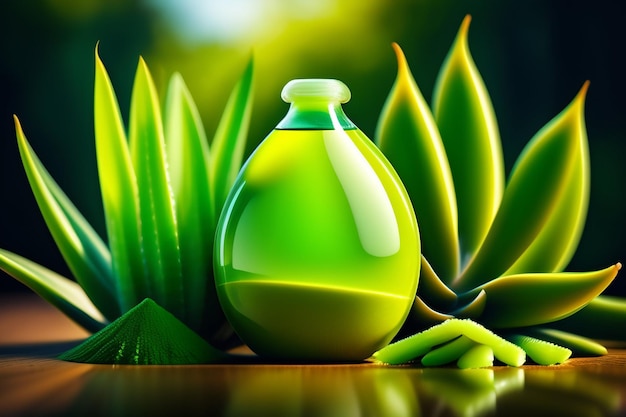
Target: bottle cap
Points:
(333, 90)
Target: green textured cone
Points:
(145, 335)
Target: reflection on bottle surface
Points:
(317, 251)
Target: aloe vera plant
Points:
(494, 250)
(162, 190)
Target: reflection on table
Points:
(33, 383)
(46, 387)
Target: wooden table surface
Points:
(33, 383)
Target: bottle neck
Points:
(315, 115)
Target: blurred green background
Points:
(533, 55)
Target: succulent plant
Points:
(494, 250)
(162, 191)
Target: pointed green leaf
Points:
(433, 289)
(422, 316)
(159, 236)
(472, 309)
(187, 150)
(188, 160)
(443, 303)
(604, 318)
(556, 243)
(229, 141)
(86, 255)
(407, 135)
(469, 130)
(64, 294)
(580, 346)
(119, 192)
(539, 183)
(531, 299)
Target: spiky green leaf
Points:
(84, 251)
(407, 135)
(557, 241)
(61, 292)
(469, 131)
(432, 288)
(188, 158)
(159, 235)
(604, 318)
(579, 345)
(422, 316)
(119, 192)
(229, 142)
(537, 191)
(532, 299)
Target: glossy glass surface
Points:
(317, 247)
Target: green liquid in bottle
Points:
(284, 330)
(317, 249)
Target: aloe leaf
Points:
(63, 293)
(86, 255)
(159, 235)
(538, 184)
(409, 138)
(119, 192)
(188, 159)
(433, 289)
(422, 316)
(536, 298)
(229, 141)
(472, 309)
(556, 243)
(604, 318)
(469, 131)
(579, 345)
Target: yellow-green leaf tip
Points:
(464, 29)
(403, 66)
(18, 126)
(582, 95)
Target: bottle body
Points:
(305, 260)
(317, 248)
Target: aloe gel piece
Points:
(540, 351)
(317, 247)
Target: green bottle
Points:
(317, 250)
